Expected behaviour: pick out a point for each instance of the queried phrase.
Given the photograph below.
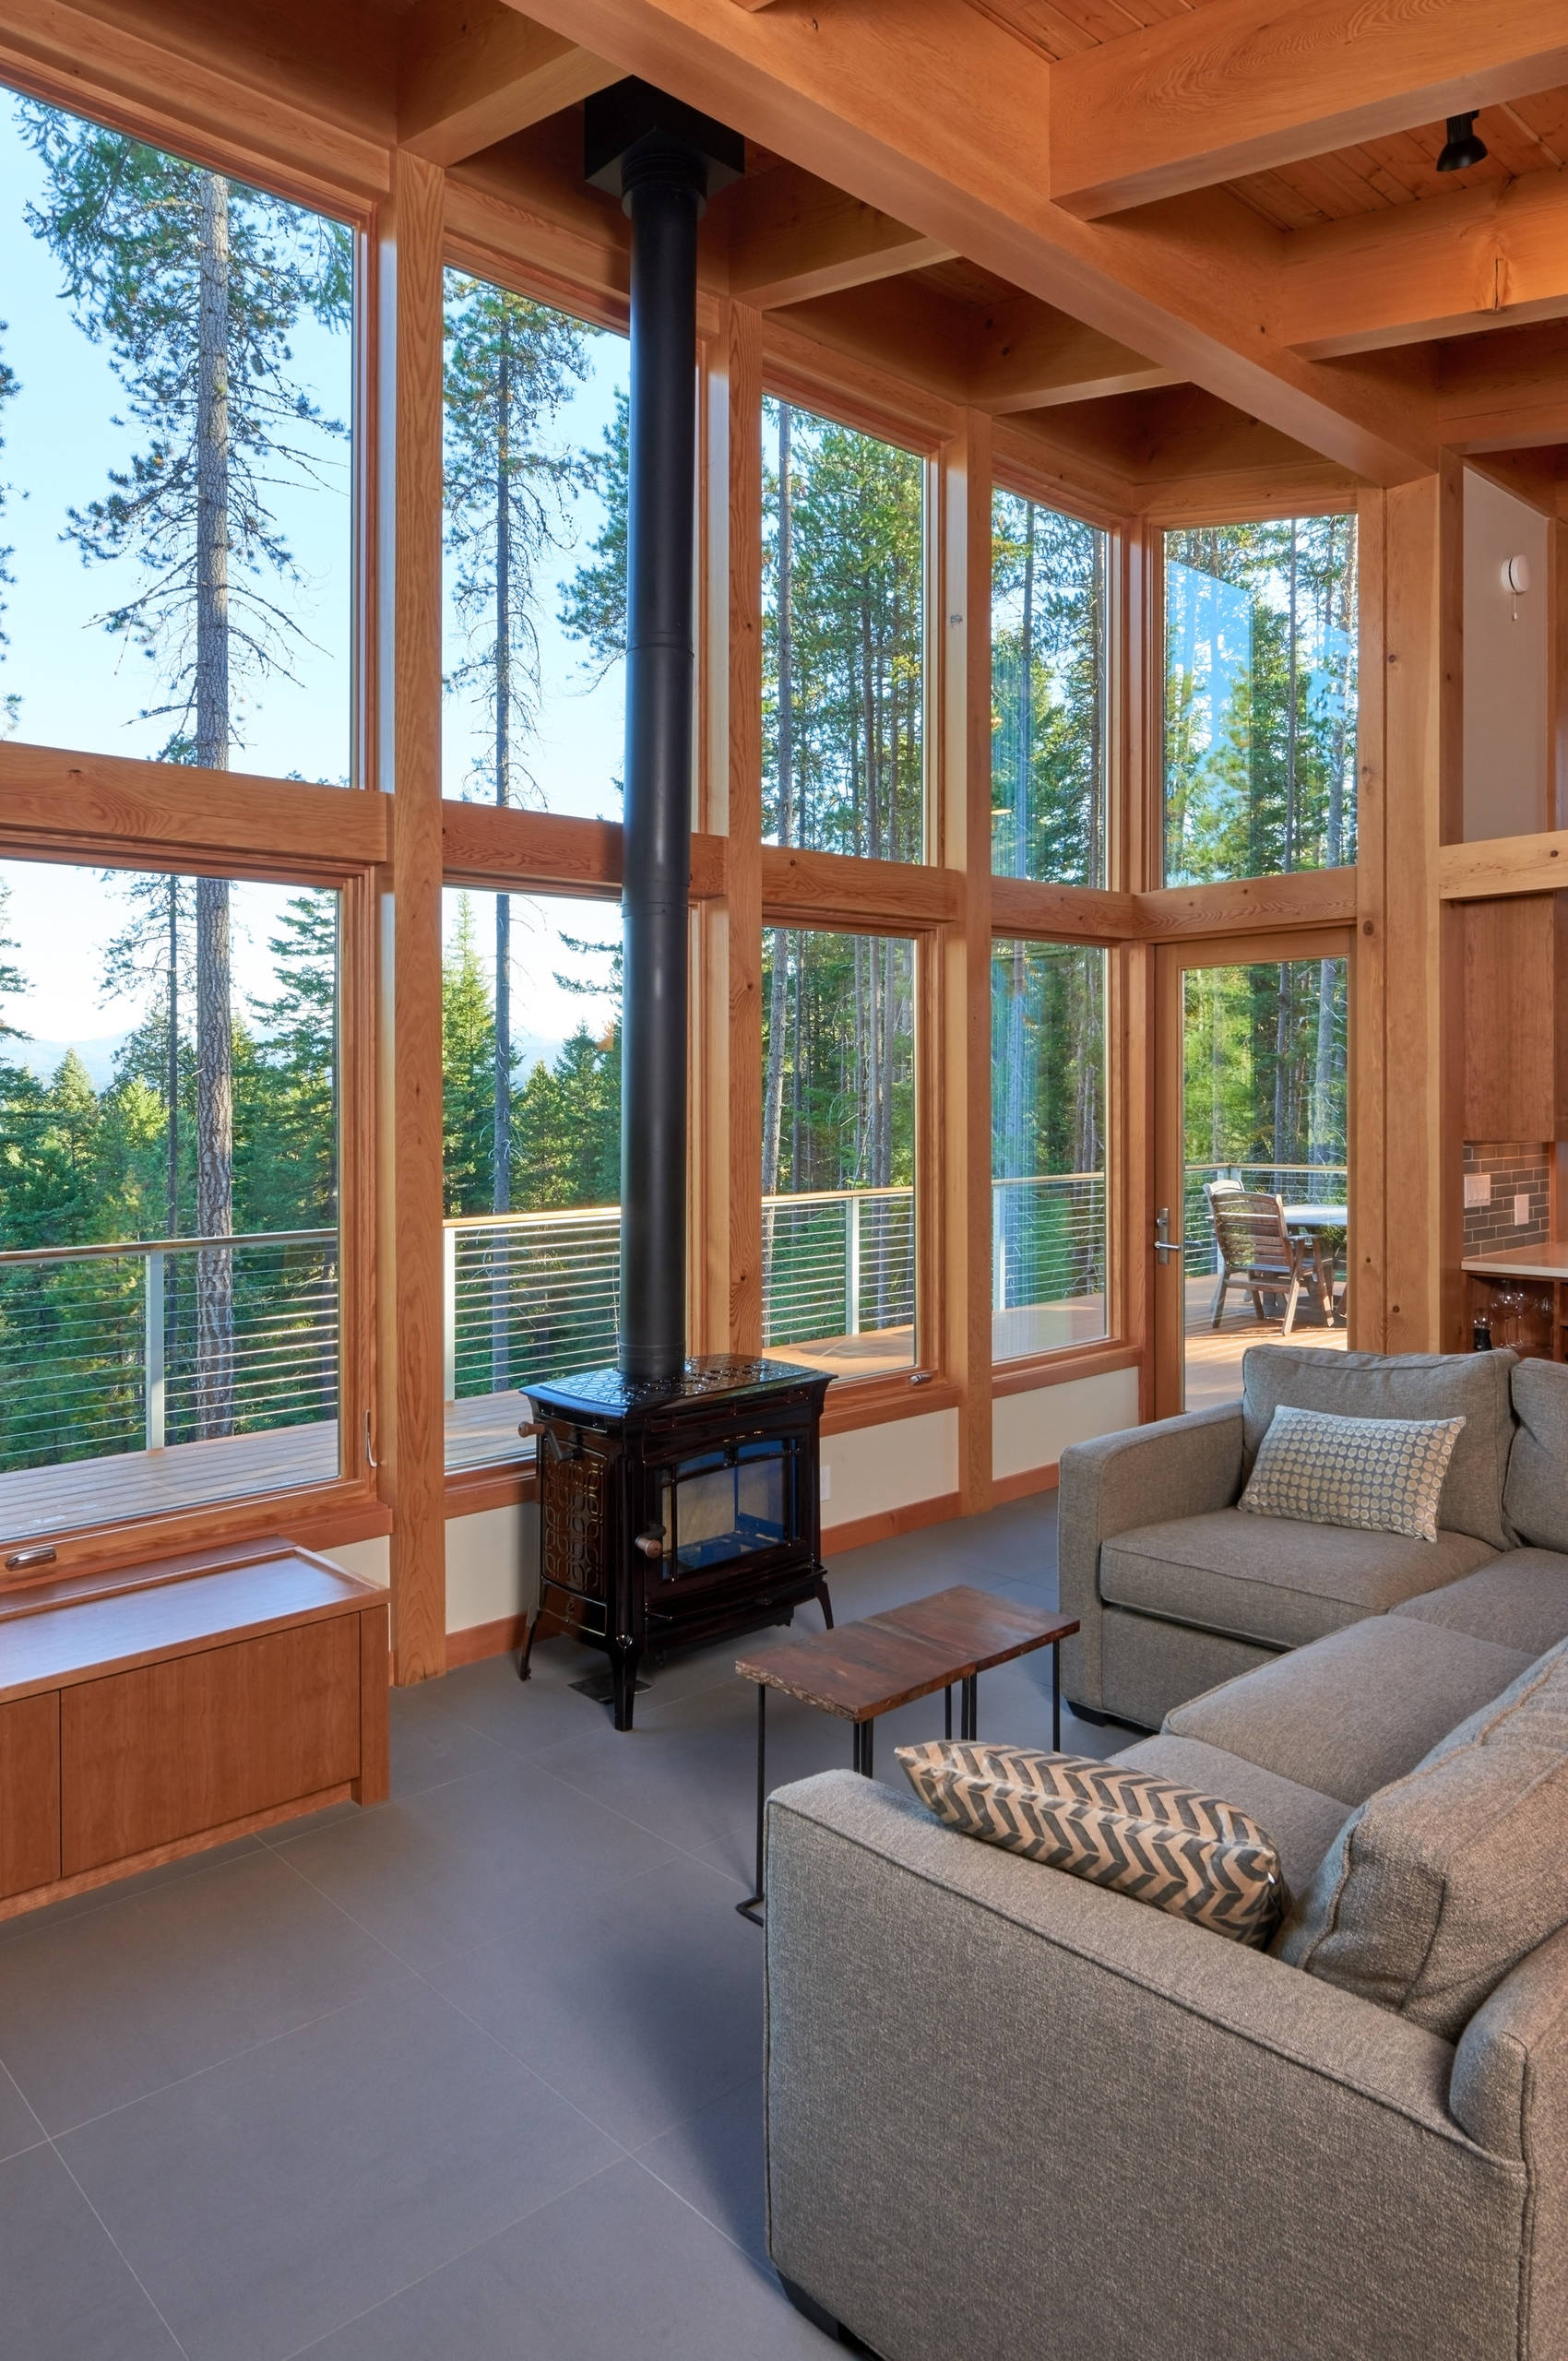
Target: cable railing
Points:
(102, 1351)
(1298, 1184)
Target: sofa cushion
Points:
(1302, 1822)
(1472, 1386)
(1363, 1474)
(1356, 1709)
(1519, 1599)
(1442, 1881)
(1137, 1833)
(1535, 1498)
(1271, 1580)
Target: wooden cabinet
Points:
(157, 1711)
(1515, 1016)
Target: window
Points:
(132, 409)
(169, 1259)
(839, 1150)
(1048, 1201)
(534, 511)
(532, 992)
(844, 639)
(1260, 699)
(1048, 694)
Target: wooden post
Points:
(411, 1428)
(743, 908)
(960, 573)
(1406, 1217)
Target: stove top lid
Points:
(704, 1376)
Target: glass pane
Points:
(1048, 749)
(1260, 699)
(843, 639)
(532, 1237)
(1265, 1119)
(720, 1507)
(839, 1150)
(1048, 1245)
(168, 1074)
(176, 396)
(534, 585)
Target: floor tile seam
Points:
(301, 2352)
(137, 2280)
(215, 2064)
(705, 2219)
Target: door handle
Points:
(1163, 1241)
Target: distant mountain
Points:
(43, 1058)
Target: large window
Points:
(534, 622)
(1049, 1236)
(1048, 694)
(839, 1150)
(844, 639)
(1260, 699)
(531, 1086)
(169, 1289)
(175, 401)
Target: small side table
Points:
(863, 1670)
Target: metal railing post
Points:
(449, 1313)
(153, 1390)
(998, 1251)
(852, 1264)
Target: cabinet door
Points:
(30, 1793)
(1516, 1032)
(197, 1742)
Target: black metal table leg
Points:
(947, 1711)
(969, 1725)
(1056, 1696)
(752, 1907)
(863, 1756)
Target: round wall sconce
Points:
(1515, 579)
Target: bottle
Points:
(1481, 1336)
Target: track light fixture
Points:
(1462, 147)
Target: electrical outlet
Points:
(1521, 1211)
(1478, 1188)
(826, 1474)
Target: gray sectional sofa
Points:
(1011, 2115)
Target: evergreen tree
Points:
(467, 1065)
(10, 701)
(196, 283)
(595, 599)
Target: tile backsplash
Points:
(1516, 1170)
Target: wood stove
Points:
(675, 1510)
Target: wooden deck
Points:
(152, 1483)
(1214, 1354)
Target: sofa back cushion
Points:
(1472, 1386)
(1440, 1882)
(1534, 1499)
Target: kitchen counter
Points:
(1545, 1259)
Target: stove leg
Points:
(523, 1660)
(824, 1601)
(624, 1657)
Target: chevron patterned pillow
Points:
(1188, 1853)
(1373, 1475)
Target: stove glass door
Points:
(728, 1505)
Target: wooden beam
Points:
(1028, 355)
(484, 846)
(1503, 392)
(1310, 897)
(1482, 259)
(1062, 913)
(1504, 865)
(1242, 86)
(472, 72)
(793, 236)
(934, 114)
(173, 808)
(801, 888)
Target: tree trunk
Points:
(773, 1091)
(501, 1131)
(215, 1048)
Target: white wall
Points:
(873, 1468)
(1034, 1429)
(1506, 679)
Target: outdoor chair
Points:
(1258, 1249)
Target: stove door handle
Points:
(651, 1544)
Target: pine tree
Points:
(595, 599)
(196, 283)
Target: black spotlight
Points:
(1462, 147)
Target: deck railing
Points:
(1299, 1185)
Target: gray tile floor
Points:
(476, 2076)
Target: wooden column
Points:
(745, 823)
(1406, 1217)
(961, 781)
(410, 1428)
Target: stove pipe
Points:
(664, 161)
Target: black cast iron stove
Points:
(673, 1512)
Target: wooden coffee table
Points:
(861, 1671)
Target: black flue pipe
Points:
(664, 185)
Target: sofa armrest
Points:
(1009, 2113)
(1510, 2092)
(1183, 1466)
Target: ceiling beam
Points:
(934, 115)
(1027, 355)
(1505, 392)
(793, 237)
(1489, 257)
(1242, 86)
(472, 72)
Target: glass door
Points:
(1252, 1195)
